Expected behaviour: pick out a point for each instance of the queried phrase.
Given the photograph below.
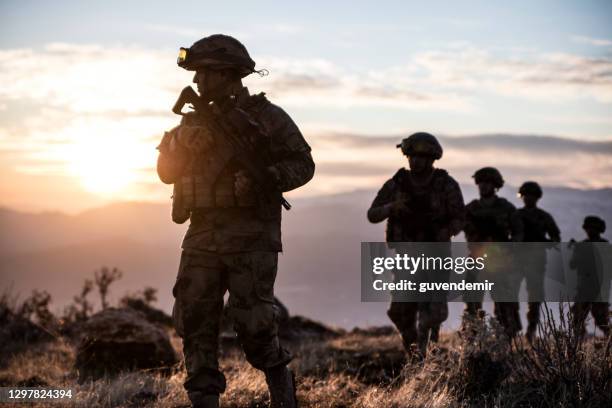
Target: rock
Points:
(300, 328)
(116, 340)
(374, 331)
(17, 333)
(152, 314)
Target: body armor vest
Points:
(427, 206)
(491, 223)
(208, 181)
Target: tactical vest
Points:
(535, 223)
(490, 222)
(427, 204)
(208, 180)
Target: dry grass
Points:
(480, 368)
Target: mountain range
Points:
(318, 270)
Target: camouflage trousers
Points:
(418, 322)
(203, 279)
(533, 273)
(600, 312)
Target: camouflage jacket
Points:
(227, 223)
(497, 221)
(539, 226)
(435, 210)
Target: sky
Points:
(87, 89)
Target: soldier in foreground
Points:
(493, 219)
(539, 226)
(591, 279)
(230, 160)
(423, 204)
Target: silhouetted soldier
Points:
(233, 199)
(423, 204)
(493, 219)
(539, 226)
(591, 277)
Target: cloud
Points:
(598, 42)
(548, 76)
(322, 83)
(90, 78)
(67, 105)
(346, 160)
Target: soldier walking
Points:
(493, 219)
(230, 160)
(593, 281)
(423, 204)
(539, 226)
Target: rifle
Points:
(236, 124)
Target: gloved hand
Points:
(399, 208)
(195, 138)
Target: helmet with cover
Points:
(217, 51)
(490, 174)
(421, 144)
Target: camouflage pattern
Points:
(435, 213)
(437, 208)
(489, 174)
(600, 312)
(229, 245)
(217, 51)
(203, 279)
(495, 220)
(421, 143)
(539, 226)
(222, 221)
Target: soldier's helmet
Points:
(531, 188)
(490, 174)
(422, 144)
(594, 222)
(217, 51)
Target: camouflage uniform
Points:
(494, 221)
(539, 226)
(233, 241)
(437, 214)
(589, 283)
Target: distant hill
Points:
(319, 269)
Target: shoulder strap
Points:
(439, 179)
(401, 176)
(256, 102)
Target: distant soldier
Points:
(493, 219)
(539, 226)
(423, 204)
(591, 278)
(230, 160)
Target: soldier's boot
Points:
(281, 385)
(408, 338)
(423, 340)
(533, 318)
(200, 400)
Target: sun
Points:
(106, 166)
